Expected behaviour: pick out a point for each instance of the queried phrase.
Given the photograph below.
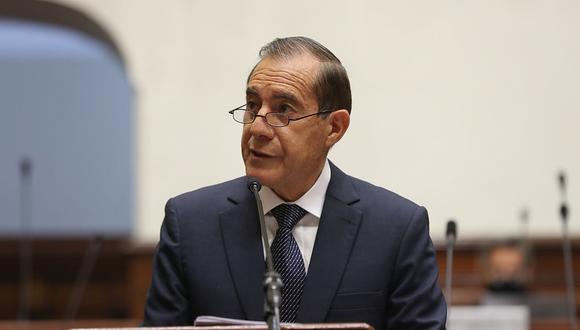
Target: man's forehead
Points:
(285, 76)
(304, 64)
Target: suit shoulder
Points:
(388, 202)
(211, 195)
(388, 212)
(368, 195)
(370, 190)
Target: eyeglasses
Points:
(274, 119)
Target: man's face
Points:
(506, 264)
(287, 159)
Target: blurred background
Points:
(110, 107)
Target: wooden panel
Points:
(130, 324)
(121, 277)
(61, 325)
(546, 263)
(139, 271)
(55, 267)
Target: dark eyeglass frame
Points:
(254, 115)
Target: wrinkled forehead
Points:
(297, 73)
(304, 63)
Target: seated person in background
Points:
(509, 277)
(507, 274)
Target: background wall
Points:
(468, 107)
(65, 107)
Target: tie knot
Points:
(288, 215)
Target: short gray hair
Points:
(331, 86)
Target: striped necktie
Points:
(288, 259)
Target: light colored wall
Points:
(467, 107)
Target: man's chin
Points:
(262, 176)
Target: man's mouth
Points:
(260, 154)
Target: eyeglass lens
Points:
(272, 118)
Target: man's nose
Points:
(260, 128)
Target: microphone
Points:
(562, 181)
(451, 232)
(254, 185)
(524, 235)
(88, 263)
(567, 250)
(524, 221)
(451, 237)
(25, 264)
(563, 206)
(272, 280)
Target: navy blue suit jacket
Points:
(373, 260)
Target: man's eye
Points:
(285, 108)
(251, 106)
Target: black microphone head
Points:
(524, 214)
(451, 228)
(254, 184)
(564, 212)
(25, 166)
(562, 180)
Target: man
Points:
(507, 274)
(358, 253)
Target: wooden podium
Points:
(294, 326)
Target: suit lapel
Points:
(241, 236)
(335, 238)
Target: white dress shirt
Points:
(305, 230)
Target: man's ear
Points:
(338, 124)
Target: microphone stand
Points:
(451, 237)
(25, 258)
(525, 237)
(87, 266)
(272, 280)
(567, 250)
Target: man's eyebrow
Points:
(285, 96)
(290, 97)
(251, 91)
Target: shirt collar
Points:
(312, 201)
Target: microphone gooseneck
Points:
(88, 264)
(272, 280)
(25, 257)
(567, 251)
(524, 223)
(564, 205)
(255, 186)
